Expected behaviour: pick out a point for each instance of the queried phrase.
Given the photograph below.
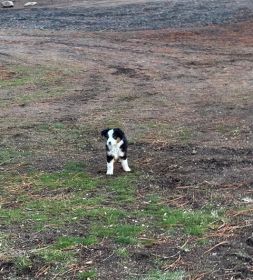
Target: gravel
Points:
(150, 15)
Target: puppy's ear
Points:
(119, 133)
(104, 132)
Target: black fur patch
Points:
(104, 132)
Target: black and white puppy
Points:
(116, 148)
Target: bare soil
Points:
(177, 76)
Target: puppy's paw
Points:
(127, 169)
(109, 173)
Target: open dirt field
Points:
(177, 76)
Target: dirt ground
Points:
(177, 76)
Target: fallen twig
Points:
(166, 257)
(225, 231)
(42, 271)
(242, 212)
(107, 258)
(215, 246)
(187, 187)
(73, 268)
(173, 265)
(186, 242)
(200, 276)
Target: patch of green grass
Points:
(33, 83)
(110, 208)
(75, 167)
(59, 212)
(70, 241)
(191, 222)
(184, 134)
(9, 216)
(228, 130)
(53, 212)
(15, 82)
(62, 137)
(78, 198)
(23, 263)
(123, 188)
(8, 155)
(109, 223)
(51, 126)
(23, 75)
(122, 252)
(4, 242)
(107, 215)
(121, 233)
(84, 200)
(51, 255)
(44, 212)
(67, 179)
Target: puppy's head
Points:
(113, 136)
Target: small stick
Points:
(173, 265)
(242, 212)
(215, 246)
(42, 271)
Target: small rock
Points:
(194, 152)
(7, 4)
(30, 4)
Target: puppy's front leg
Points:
(125, 166)
(110, 163)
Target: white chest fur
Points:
(115, 151)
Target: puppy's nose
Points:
(109, 143)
